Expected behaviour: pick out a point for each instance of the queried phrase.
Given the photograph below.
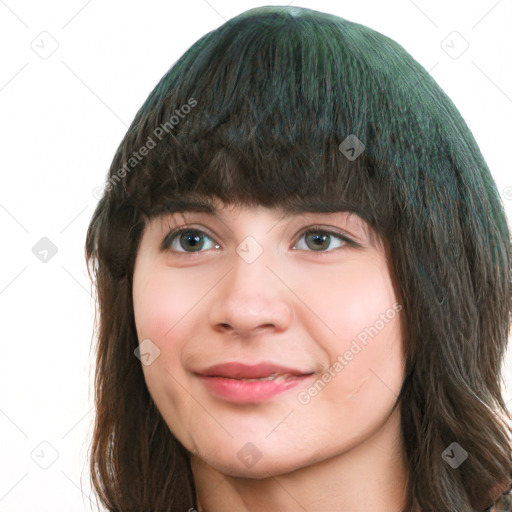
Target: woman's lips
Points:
(242, 383)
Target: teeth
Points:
(274, 376)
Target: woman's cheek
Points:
(349, 298)
(159, 306)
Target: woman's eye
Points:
(194, 240)
(318, 240)
(184, 239)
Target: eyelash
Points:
(173, 234)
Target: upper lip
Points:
(235, 370)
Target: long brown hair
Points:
(258, 111)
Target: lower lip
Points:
(244, 391)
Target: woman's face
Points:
(268, 342)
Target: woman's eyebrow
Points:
(207, 205)
(318, 206)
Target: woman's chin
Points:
(260, 470)
(251, 462)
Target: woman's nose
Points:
(251, 299)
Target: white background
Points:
(62, 118)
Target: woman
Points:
(331, 339)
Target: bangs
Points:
(272, 111)
(312, 183)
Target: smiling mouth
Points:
(239, 370)
(244, 390)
